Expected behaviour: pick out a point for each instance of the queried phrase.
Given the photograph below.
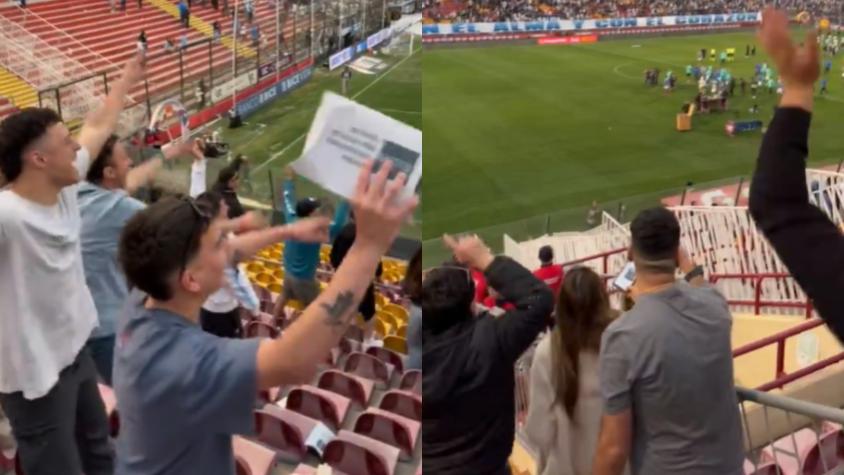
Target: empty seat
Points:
(813, 451)
(391, 357)
(276, 431)
(303, 469)
(259, 459)
(396, 343)
(315, 434)
(411, 381)
(390, 428)
(762, 468)
(355, 454)
(257, 328)
(368, 366)
(403, 403)
(269, 396)
(241, 467)
(349, 385)
(110, 403)
(325, 406)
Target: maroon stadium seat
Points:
(354, 387)
(369, 367)
(355, 454)
(403, 403)
(390, 428)
(325, 406)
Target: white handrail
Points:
(74, 42)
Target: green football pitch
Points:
(274, 136)
(512, 132)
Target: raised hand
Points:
(135, 70)
(469, 250)
(799, 66)
(379, 212)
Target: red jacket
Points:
(552, 275)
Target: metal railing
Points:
(42, 65)
(69, 40)
(805, 437)
(800, 302)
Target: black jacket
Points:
(339, 248)
(808, 243)
(468, 385)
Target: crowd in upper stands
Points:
(523, 10)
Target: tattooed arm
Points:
(293, 357)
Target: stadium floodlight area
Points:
(723, 239)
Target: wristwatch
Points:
(696, 272)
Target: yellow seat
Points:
(395, 343)
(254, 267)
(295, 305)
(382, 329)
(275, 288)
(380, 300)
(264, 278)
(278, 274)
(402, 331)
(397, 311)
(388, 319)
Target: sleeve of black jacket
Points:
(808, 243)
(518, 328)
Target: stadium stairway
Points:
(89, 32)
(204, 27)
(265, 17)
(15, 93)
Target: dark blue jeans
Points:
(102, 351)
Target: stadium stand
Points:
(454, 11)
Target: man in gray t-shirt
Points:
(666, 367)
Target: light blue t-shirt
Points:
(104, 214)
(181, 394)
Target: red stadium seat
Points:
(403, 403)
(259, 459)
(764, 468)
(275, 430)
(369, 367)
(303, 469)
(351, 386)
(269, 396)
(411, 380)
(325, 406)
(388, 356)
(241, 466)
(810, 447)
(355, 454)
(390, 428)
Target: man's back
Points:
(669, 360)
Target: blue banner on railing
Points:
(277, 90)
(266, 69)
(344, 56)
(554, 24)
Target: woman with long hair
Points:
(564, 411)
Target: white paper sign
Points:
(319, 437)
(345, 133)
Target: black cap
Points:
(306, 206)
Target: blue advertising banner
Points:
(277, 90)
(344, 56)
(554, 24)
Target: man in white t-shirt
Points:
(48, 385)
